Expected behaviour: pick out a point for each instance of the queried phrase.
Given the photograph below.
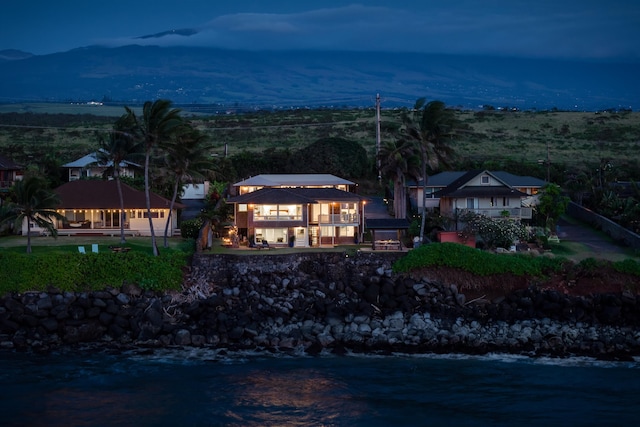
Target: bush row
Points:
(84, 272)
(475, 261)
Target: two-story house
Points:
(88, 167)
(298, 209)
(485, 193)
(488, 192)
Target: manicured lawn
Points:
(68, 244)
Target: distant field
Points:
(493, 137)
(70, 108)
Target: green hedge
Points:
(80, 272)
(476, 261)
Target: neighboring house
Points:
(486, 193)
(10, 172)
(527, 185)
(93, 207)
(194, 198)
(301, 209)
(434, 183)
(87, 167)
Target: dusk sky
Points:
(592, 29)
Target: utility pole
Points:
(378, 136)
(548, 163)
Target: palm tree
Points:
(186, 157)
(120, 146)
(156, 125)
(36, 204)
(397, 161)
(429, 126)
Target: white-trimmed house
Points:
(87, 167)
(304, 209)
(487, 192)
(93, 207)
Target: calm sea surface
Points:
(205, 388)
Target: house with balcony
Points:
(496, 195)
(88, 167)
(299, 210)
(528, 186)
(10, 172)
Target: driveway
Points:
(376, 208)
(596, 241)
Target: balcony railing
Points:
(279, 217)
(504, 212)
(339, 219)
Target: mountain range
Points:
(280, 79)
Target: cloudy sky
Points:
(594, 29)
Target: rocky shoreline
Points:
(323, 302)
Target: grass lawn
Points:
(577, 251)
(67, 244)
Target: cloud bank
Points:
(545, 28)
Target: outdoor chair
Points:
(94, 248)
(265, 245)
(81, 250)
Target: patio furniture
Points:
(94, 248)
(81, 250)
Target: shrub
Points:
(475, 261)
(190, 228)
(628, 266)
(83, 272)
(495, 232)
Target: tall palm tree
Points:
(430, 127)
(186, 157)
(156, 125)
(118, 147)
(36, 204)
(398, 160)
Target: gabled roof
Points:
(441, 179)
(444, 179)
(89, 159)
(518, 180)
(281, 196)
(293, 180)
(7, 164)
(459, 187)
(95, 194)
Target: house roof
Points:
(8, 164)
(387, 223)
(518, 180)
(444, 179)
(281, 196)
(87, 160)
(458, 187)
(293, 180)
(95, 194)
(441, 179)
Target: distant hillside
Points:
(13, 54)
(309, 78)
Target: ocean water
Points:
(213, 388)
